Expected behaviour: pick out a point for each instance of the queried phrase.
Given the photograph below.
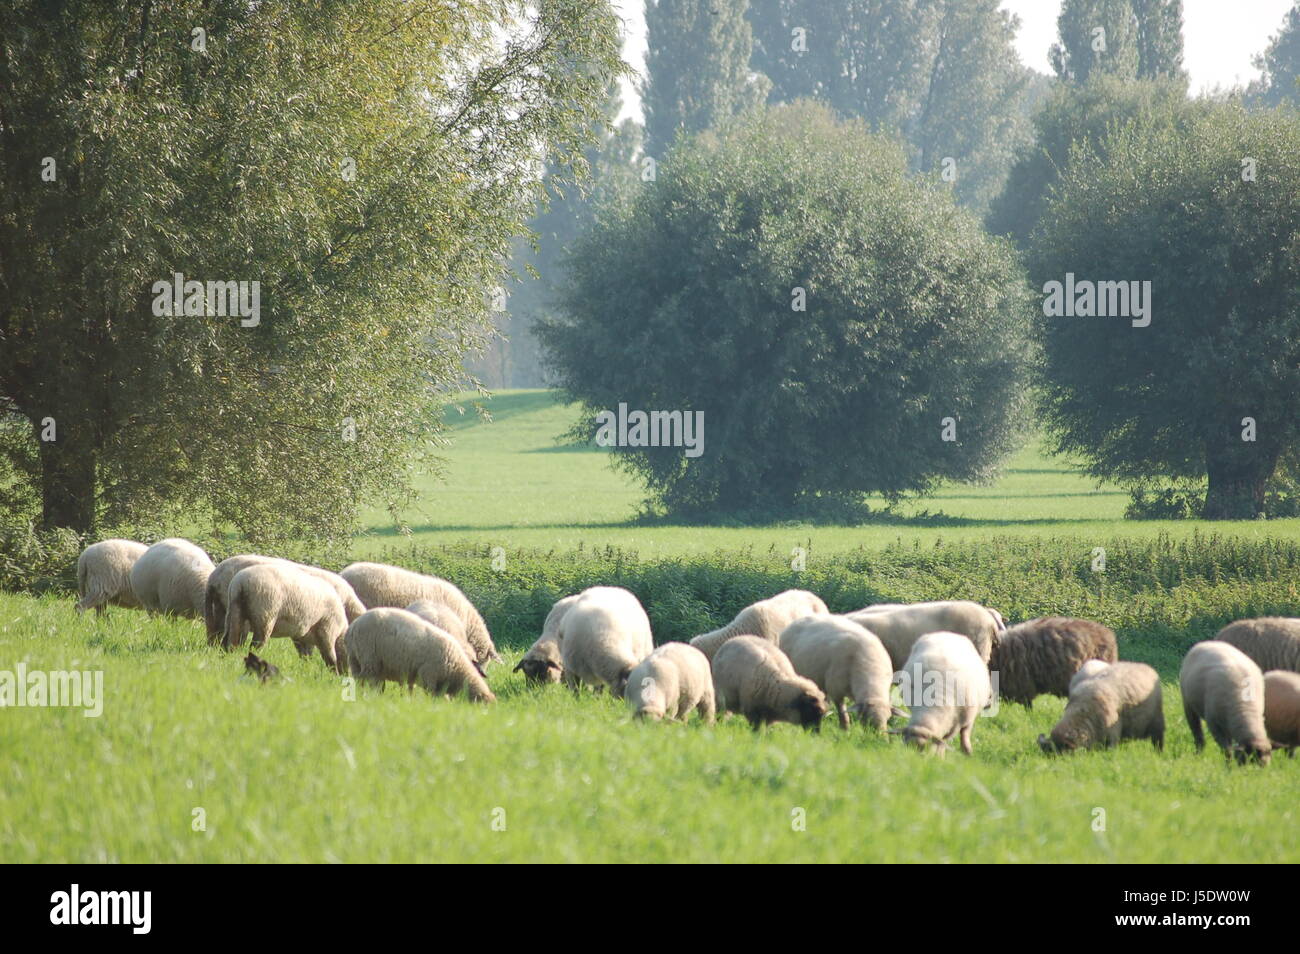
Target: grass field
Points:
(192, 761)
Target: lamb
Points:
(542, 663)
(946, 684)
(170, 577)
(753, 677)
(1273, 642)
(765, 619)
(442, 616)
(378, 584)
(273, 599)
(1109, 702)
(214, 597)
(104, 575)
(899, 627)
(844, 660)
(389, 644)
(1042, 655)
(1282, 709)
(670, 682)
(603, 635)
(1224, 686)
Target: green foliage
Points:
(224, 160)
(1209, 388)
(1142, 39)
(685, 298)
(1280, 65)
(942, 73)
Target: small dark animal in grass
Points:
(259, 667)
(1042, 655)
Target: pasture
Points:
(192, 761)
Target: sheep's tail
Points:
(210, 620)
(83, 603)
(235, 614)
(998, 623)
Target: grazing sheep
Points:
(1273, 642)
(388, 644)
(670, 682)
(1282, 709)
(765, 619)
(602, 637)
(104, 574)
(1042, 655)
(442, 616)
(214, 597)
(899, 627)
(844, 660)
(378, 584)
(171, 577)
(753, 677)
(1109, 702)
(259, 667)
(542, 662)
(1224, 686)
(274, 599)
(946, 684)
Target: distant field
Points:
(510, 483)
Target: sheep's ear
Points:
(518, 666)
(552, 664)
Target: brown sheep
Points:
(1282, 709)
(1272, 641)
(1042, 655)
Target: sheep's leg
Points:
(707, 712)
(755, 723)
(965, 738)
(324, 645)
(1194, 723)
(262, 633)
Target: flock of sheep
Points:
(783, 659)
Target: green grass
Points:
(293, 772)
(510, 483)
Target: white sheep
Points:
(899, 627)
(542, 662)
(1109, 702)
(278, 599)
(671, 682)
(764, 619)
(379, 584)
(171, 577)
(946, 684)
(846, 661)
(602, 637)
(753, 677)
(104, 574)
(442, 616)
(1224, 686)
(1273, 642)
(214, 597)
(388, 644)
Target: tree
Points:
(1209, 214)
(832, 318)
(1159, 38)
(943, 74)
(365, 164)
(1280, 64)
(697, 65)
(1080, 116)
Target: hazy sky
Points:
(1220, 37)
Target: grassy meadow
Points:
(193, 761)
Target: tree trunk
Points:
(67, 481)
(1238, 473)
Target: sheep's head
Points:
(1256, 750)
(874, 714)
(805, 705)
(920, 737)
(259, 667)
(539, 671)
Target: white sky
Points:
(1219, 37)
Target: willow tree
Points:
(366, 165)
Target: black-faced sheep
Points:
(899, 627)
(946, 684)
(1109, 702)
(392, 645)
(542, 662)
(273, 599)
(1042, 655)
(764, 619)
(1273, 642)
(104, 574)
(1224, 686)
(1282, 709)
(602, 637)
(256, 666)
(670, 683)
(378, 584)
(171, 577)
(845, 661)
(753, 677)
(215, 594)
